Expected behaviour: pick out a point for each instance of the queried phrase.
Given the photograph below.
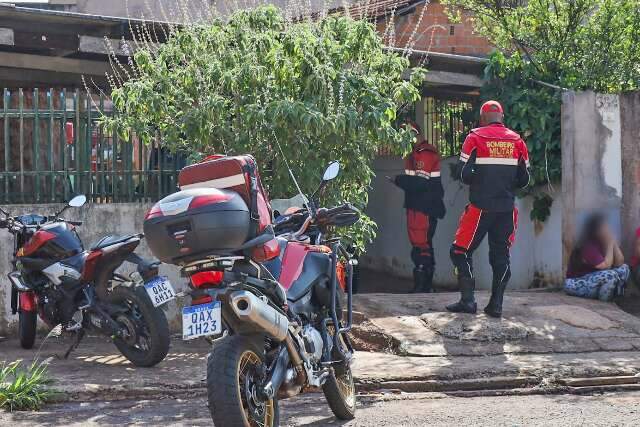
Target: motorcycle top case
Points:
(191, 224)
(236, 173)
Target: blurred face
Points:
(604, 233)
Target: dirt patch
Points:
(365, 336)
(474, 328)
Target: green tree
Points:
(545, 46)
(576, 44)
(318, 91)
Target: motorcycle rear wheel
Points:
(232, 367)
(27, 322)
(149, 339)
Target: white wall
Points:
(536, 251)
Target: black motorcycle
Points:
(56, 278)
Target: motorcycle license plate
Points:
(201, 320)
(160, 291)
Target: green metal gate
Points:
(52, 148)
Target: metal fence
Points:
(51, 148)
(447, 124)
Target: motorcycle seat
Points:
(111, 240)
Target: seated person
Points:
(596, 267)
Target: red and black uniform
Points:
(423, 201)
(494, 163)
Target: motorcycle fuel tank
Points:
(50, 244)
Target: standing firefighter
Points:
(423, 201)
(494, 162)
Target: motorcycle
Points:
(54, 277)
(272, 306)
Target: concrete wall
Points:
(536, 255)
(630, 140)
(99, 220)
(594, 157)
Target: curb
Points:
(427, 386)
(476, 387)
(115, 394)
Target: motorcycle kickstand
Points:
(76, 342)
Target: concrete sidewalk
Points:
(545, 337)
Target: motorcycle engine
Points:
(313, 343)
(55, 307)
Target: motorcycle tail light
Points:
(154, 212)
(207, 279)
(205, 299)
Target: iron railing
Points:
(447, 124)
(52, 148)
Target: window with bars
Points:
(447, 123)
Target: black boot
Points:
(422, 280)
(428, 280)
(418, 280)
(467, 303)
(494, 308)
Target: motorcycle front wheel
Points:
(27, 322)
(147, 338)
(233, 375)
(339, 389)
(340, 392)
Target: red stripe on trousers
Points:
(467, 226)
(418, 228)
(512, 237)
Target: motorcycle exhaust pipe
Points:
(251, 309)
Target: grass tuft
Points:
(24, 388)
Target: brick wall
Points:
(436, 33)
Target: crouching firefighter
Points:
(423, 195)
(494, 162)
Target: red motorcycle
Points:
(270, 295)
(56, 278)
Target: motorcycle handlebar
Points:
(342, 215)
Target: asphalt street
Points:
(609, 409)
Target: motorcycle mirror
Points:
(78, 201)
(332, 171)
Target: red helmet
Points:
(491, 107)
(491, 112)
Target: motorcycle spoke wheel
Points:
(257, 413)
(346, 387)
(340, 390)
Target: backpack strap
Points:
(250, 168)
